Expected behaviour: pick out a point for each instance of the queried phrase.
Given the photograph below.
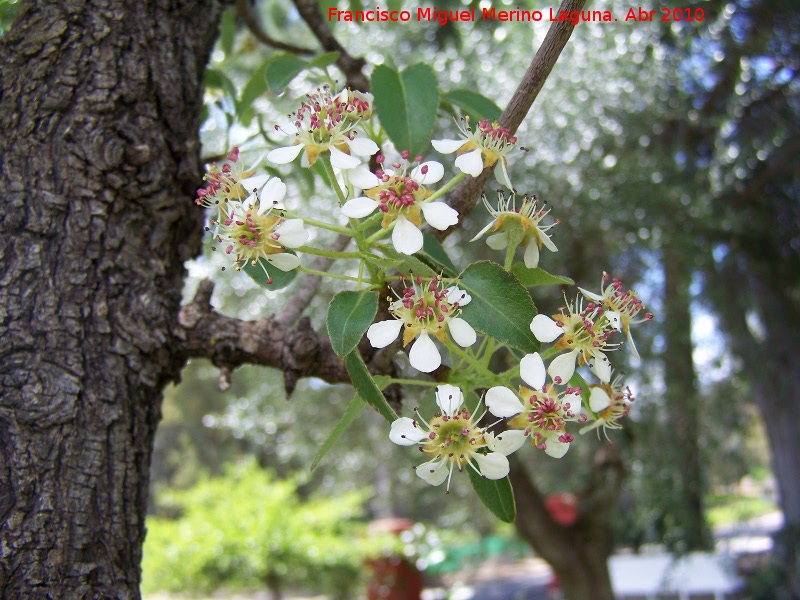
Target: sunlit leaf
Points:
(501, 306)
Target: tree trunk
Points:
(682, 404)
(578, 553)
(99, 108)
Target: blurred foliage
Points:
(8, 12)
(249, 529)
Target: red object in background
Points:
(563, 508)
(393, 577)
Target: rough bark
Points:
(579, 552)
(100, 111)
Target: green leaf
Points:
(474, 104)
(409, 264)
(533, 277)
(406, 105)
(501, 306)
(227, 30)
(434, 254)
(349, 316)
(217, 79)
(280, 279)
(282, 69)
(497, 495)
(255, 87)
(366, 387)
(355, 407)
(381, 262)
(323, 60)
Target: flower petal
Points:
(449, 398)
(406, 237)
(497, 241)
(462, 332)
(405, 432)
(273, 191)
(424, 355)
(434, 471)
(447, 146)
(285, 155)
(599, 399)
(362, 146)
(615, 319)
(590, 295)
(532, 255)
(470, 163)
(362, 177)
(439, 215)
(509, 441)
(255, 183)
(383, 333)
(532, 371)
(502, 402)
(358, 208)
(284, 261)
(548, 243)
(493, 465)
(482, 231)
(562, 367)
(433, 173)
(632, 346)
(600, 366)
(555, 448)
(545, 329)
(501, 173)
(291, 233)
(340, 160)
(454, 294)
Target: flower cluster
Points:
(230, 183)
(327, 123)
(425, 309)
(490, 144)
(401, 196)
(452, 439)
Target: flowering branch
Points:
(465, 196)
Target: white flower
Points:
(609, 402)
(543, 412)
(489, 145)
(326, 123)
(425, 310)
(401, 198)
(620, 307)
(250, 232)
(452, 440)
(583, 333)
(521, 227)
(233, 182)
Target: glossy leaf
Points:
(474, 104)
(496, 495)
(349, 316)
(366, 387)
(501, 306)
(533, 277)
(282, 69)
(406, 103)
(280, 279)
(355, 407)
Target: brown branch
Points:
(351, 67)
(246, 12)
(230, 343)
(303, 296)
(466, 194)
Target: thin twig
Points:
(464, 197)
(353, 68)
(249, 17)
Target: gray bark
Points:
(99, 111)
